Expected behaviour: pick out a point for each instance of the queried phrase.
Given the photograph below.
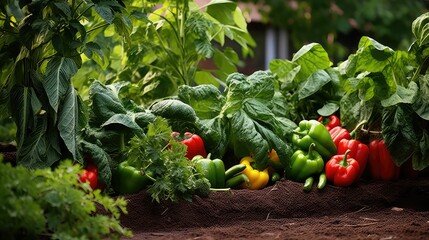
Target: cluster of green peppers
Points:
(314, 146)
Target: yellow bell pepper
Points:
(257, 179)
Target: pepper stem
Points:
(344, 162)
(358, 126)
(310, 151)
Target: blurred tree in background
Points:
(338, 25)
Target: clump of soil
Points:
(368, 209)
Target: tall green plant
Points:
(173, 43)
(41, 45)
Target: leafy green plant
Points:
(242, 118)
(174, 176)
(55, 204)
(308, 84)
(41, 48)
(169, 43)
(388, 88)
(115, 120)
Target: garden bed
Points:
(370, 210)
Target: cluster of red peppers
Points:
(353, 156)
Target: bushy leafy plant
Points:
(55, 204)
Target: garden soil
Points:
(366, 210)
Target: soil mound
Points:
(368, 209)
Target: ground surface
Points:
(367, 210)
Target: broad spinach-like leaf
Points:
(310, 57)
(421, 105)
(399, 133)
(371, 56)
(313, 84)
(105, 103)
(402, 95)
(123, 123)
(245, 122)
(206, 100)
(420, 157)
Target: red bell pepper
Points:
(194, 143)
(338, 133)
(380, 163)
(90, 174)
(334, 121)
(342, 170)
(358, 151)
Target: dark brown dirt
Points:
(367, 210)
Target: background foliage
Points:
(338, 25)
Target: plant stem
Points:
(101, 26)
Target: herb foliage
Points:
(55, 204)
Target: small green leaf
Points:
(420, 29)
(105, 12)
(328, 109)
(64, 7)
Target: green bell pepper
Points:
(304, 165)
(127, 179)
(214, 170)
(312, 131)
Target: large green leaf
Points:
(258, 86)
(68, 121)
(421, 105)
(222, 10)
(57, 79)
(371, 57)
(21, 112)
(123, 123)
(285, 71)
(206, 100)
(310, 57)
(37, 151)
(402, 95)
(64, 7)
(105, 102)
(399, 134)
(313, 84)
(420, 158)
